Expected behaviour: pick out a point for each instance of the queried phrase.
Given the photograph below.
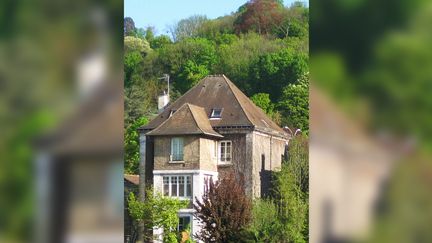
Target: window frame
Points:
(212, 114)
(187, 180)
(190, 223)
(172, 158)
(172, 113)
(225, 162)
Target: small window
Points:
(216, 113)
(184, 223)
(177, 186)
(225, 151)
(176, 149)
(172, 112)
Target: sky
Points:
(164, 13)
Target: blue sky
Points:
(163, 13)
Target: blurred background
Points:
(61, 121)
(370, 121)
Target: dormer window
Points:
(216, 113)
(172, 112)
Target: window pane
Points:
(166, 186)
(174, 186)
(180, 148)
(177, 148)
(181, 186)
(188, 186)
(183, 223)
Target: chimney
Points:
(163, 101)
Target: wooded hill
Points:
(262, 48)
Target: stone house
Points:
(209, 131)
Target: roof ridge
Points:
(237, 99)
(194, 117)
(252, 103)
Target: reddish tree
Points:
(224, 210)
(260, 16)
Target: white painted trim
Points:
(266, 135)
(176, 161)
(186, 211)
(163, 172)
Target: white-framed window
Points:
(225, 152)
(172, 112)
(176, 149)
(185, 222)
(216, 113)
(177, 186)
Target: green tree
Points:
(294, 105)
(157, 211)
(190, 74)
(264, 226)
(188, 59)
(133, 44)
(131, 146)
(160, 41)
(263, 101)
(236, 58)
(285, 217)
(150, 33)
(273, 71)
(132, 62)
(292, 192)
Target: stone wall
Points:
(162, 151)
(267, 155)
(208, 154)
(239, 159)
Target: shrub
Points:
(224, 210)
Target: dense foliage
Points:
(263, 53)
(131, 146)
(224, 210)
(284, 218)
(157, 211)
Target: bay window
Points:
(177, 186)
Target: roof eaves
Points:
(166, 120)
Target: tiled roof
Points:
(188, 119)
(134, 179)
(217, 91)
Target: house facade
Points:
(212, 130)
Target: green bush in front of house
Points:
(157, 211)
